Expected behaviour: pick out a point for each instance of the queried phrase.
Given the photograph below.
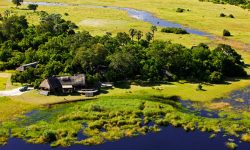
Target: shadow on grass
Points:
(122, 85)
(150, 83)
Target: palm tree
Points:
(139, 35)
(132, 32)
(153, 29)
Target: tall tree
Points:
(132, 32)
(149, 36)
(139, 35)
(153, 29)
(17, 2)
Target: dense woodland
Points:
(61, 50)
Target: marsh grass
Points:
(113, 118)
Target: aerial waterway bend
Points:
(137, 14)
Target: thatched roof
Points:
(76, 80)
(51, 83)
(58, 83)
(25, 66)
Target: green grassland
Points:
(202, 15)
(98, 21)
(11, 110)
(3, 83)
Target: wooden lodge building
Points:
(64, 84)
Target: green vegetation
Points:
(139, 56)
(10, 110)
(243, 3)
(231, 145)
(223, 15)
(180, 10)
(32, 7)
(3, 83)
(114, 117)
(59, 50)
(245, 137)
(17, 2)
(174, 30)
(210, 23)
(226, 33)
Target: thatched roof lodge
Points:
(65, 84)
(25, 66)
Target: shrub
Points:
(174, 30)
(222, 15)
(231, 145)
(180, 10)
(32, 7)
(226, 33)
(245, 137)
(231, 16)
(199, 87)
(49, 136)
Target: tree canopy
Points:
(60, 49)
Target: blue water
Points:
(169, 138)
(240, 99)
(137, 14)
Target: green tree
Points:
(153, 29)
(13, 26)
(17, 2)
(139, 35)
(149, 36)
(132, 33)
(32, 7)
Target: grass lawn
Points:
(187, 91)
(3, 83)
(10, 110)
(33, 97)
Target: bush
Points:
(174, 30)
(222, 15)
(32, 7)
(49, 136)
(180, 10)
(199, 87)
(226, 33)
(231, 145)
(231, 16)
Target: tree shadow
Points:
(151, 83)
(122, 85)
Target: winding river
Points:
(169, 138)
(136, 14)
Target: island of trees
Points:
(62, 50)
